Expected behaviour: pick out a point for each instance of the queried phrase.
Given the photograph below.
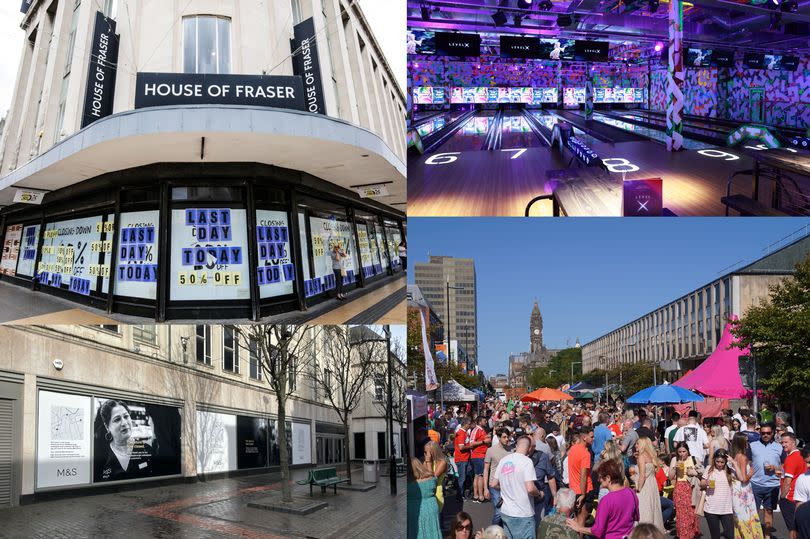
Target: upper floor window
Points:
(230, 349)
(296, 11)
(206, 44)
(203, 344)
(144, 333)
(255, 359)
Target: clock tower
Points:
(536, 331)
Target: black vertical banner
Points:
(307, 65)
(98, 97)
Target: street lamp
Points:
(572, 370)
(389, 410)
(447, 329)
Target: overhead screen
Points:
(429, 95)
(484, 94)
(456, 44)
(591, 51)
(421, 42)
(536, 48)
(696, 57)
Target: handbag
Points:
(701, 503)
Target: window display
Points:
(276, 271)
(325, 235)
(209, 254)
(11, 250)
(28, 251)
(394, 238)
(137, 263)
(72, 253)
(216, 442)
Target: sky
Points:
(590, 275)
(387, 18)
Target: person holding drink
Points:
(684, 472)
(746, 518)
(766, 460)
(717, 508)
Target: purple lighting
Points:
(659, 47)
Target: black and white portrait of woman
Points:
(134, 440)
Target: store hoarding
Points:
(134, 440)
(251, 442)
(216, 442)
(301, 444)
(63, 440)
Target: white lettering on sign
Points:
(309, 77)
(618, 164)
(177, 90)
(265, 92)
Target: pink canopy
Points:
(719, 374)
(710, 407)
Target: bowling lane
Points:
(438, 123)
(516, 132)
(654, 134)
(549, 120)
(697, 126)
(471, 135)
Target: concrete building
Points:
(679, 335)
(518, 369)
(270, 130)
(499, 381)
(197, 401)
(432, 278)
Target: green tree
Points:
(558, 370)
(778, 332)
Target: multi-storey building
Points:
(443, 274)
(679, 335)
(200, 159)
(196, 400)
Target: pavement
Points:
(481, 514)
(381, 302)
(212, 509)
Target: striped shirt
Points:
(718, 501)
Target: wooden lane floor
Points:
(62, 318)
(501, 182)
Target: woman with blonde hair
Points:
(649, 501)
(434, 458)
(423, 509)
(612, 451)
(717, 441)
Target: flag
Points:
(430, 371)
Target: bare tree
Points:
(282, 353)
(347, 361)
(202, 431)
(398, 382)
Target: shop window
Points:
(209, 259)
(137, 262)
(11, 249)
(296, 11)
(292, 380)
(29, 244)
(381, 446)
(276, 271)
(230, 349)
(145, 333)
(75, 253)
(327, 231)
(206, 44)
(203, 344)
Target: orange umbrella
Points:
(546, 394)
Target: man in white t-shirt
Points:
(676, 418)
(515, 477)
(694, 436)
(801, 492)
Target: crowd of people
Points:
(609, 471)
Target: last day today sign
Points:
(163, 89)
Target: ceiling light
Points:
(499, 18)
(524, 4)
(545, 5)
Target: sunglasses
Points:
(467, 527)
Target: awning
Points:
(719, 374)
(452, 391)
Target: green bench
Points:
(323, 477)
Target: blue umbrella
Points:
(664, 394)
